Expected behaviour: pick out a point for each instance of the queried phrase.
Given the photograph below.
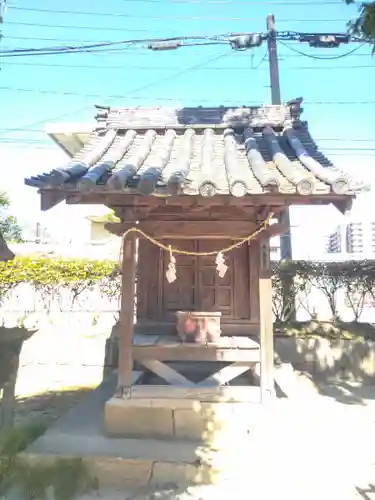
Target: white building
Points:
(93, 241)
(353, 237)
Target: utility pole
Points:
(285, 239)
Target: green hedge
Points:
(293, 279)
(290, 280)
(45, 271)
(49, 276)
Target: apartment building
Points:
(353, 237)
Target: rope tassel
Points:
(171, 271)
(221, 267)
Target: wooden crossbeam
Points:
(226, 374)
(166, 372)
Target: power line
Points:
(71, 40)
(41, 142)
(112, 28)
(139, 89)
(227, 2)
(170, 68)
(157, 17)
(238, 41)
(64, 26)
(312, 56)
(99, 48)
(317, 139)
(104, 45)
(160, 98)
(50, 119)
(135, 51)
(54, 39)
(141, 16)
(11, 140)
(243, 3)
(26, 146)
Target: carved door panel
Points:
(214, 293)
(180, 295)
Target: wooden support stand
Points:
(266, 325)
(241, 352)
(182, 408)
(126, 320)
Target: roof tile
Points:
(204, 151)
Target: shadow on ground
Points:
(367, 493)
(48, 406)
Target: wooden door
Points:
(214, 293)
(180, 295)
(198, 286)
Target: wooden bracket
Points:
(261, 213)
(343, 206)
(50, 199)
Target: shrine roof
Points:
(201, 151)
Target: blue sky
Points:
(34, 91)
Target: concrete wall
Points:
(330, 359)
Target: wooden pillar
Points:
(126, 319)
(266, 324)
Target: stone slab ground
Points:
(318, 443)
(298, 449)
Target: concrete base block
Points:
(180, 419)
(128, 418)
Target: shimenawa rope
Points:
(178, 251)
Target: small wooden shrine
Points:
(199, 192)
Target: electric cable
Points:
(183, 40)
(160, 17)
(171, 68)
(312, 56)
(224, 2)
(99, 45)
(133, 91)
(161, 98)
(122, 29)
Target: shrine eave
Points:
(236, 152)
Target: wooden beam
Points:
(49, 199)
(194, 352)
(266, 325)
(167, 373)
(126, 320)
(226, 374)
(262, 212)
(343, 206)
(275, 229)
(130, 197)
(177, 396)
(189, 229)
